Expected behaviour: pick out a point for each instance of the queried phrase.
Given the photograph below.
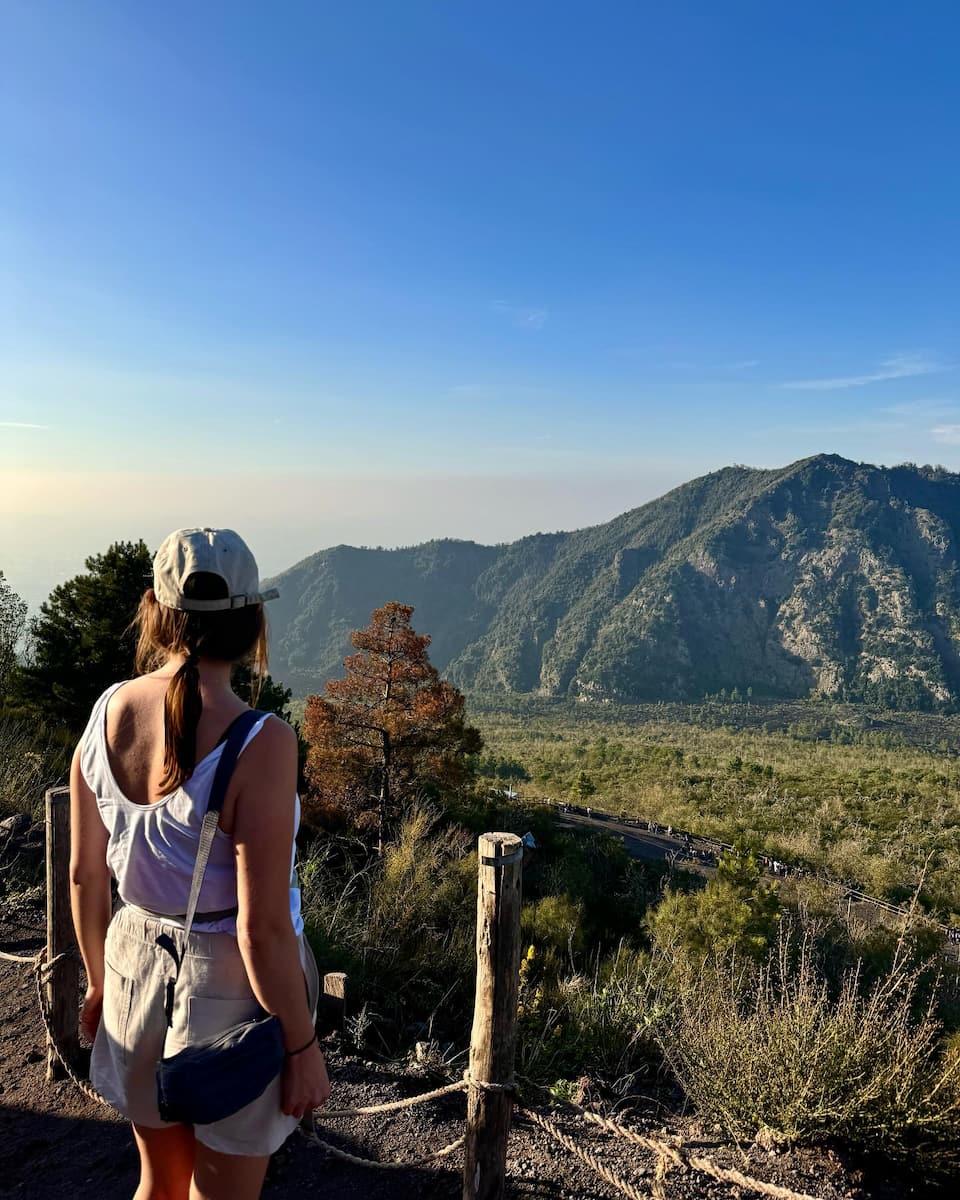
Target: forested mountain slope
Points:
(827, 575)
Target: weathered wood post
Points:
(493, 1040)
(63, 982)
(334, 1000)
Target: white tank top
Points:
(153, 847)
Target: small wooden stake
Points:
(334, 999)
(494, 1036)
(63, 982)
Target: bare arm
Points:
(263, 839)
(263, 842)
(90, 900)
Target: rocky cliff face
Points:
(825, 576)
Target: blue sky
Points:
(378, 272)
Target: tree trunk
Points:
(384, 800)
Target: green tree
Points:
(510, 770)
(271, 696)
(13, 620)
(583, 788)
(737, 911)
(507, 770)
(82, 640)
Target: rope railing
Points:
(667, 1156)
(383, 1164)
(394, 1105)
(41, 973)
(676, 1156)
(18, 958)
(552, 1130)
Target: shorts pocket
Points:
(208, 1016)
(118, 993)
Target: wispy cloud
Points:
(946, 435)
(924, 409)
(520, 316)
(743, 365)
(900, 366)
(21, 425)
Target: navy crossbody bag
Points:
(216, 1078)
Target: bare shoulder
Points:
(266, 786)
(130, 695)
(276, 741)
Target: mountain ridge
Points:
(825, 575)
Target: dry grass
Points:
(779, 1050)
(401, 925)
(28, 765)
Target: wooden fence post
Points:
(63, 982)
(334, 1000)
(493, 1040)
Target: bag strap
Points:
(233, 742)
(235, 738)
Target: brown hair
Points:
(229, 635)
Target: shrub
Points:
(553, 921)
(736, 911)
(604, 1023)
(30, 762)
(773, 1049)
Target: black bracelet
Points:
(291, 1053)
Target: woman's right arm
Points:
(263, 840)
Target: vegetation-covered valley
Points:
(868, 797)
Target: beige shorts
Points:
(212, 993)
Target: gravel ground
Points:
(54, 1142)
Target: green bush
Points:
(736, 911)
(554, 921)
(31, 760)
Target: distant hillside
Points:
(826, 576)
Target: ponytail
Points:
(182, 706)
(230, 635)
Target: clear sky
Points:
(374, 272)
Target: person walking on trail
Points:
(140, 782)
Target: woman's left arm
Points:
(90, 899)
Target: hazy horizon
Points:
(480, 509)
(279, 547)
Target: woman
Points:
(140, 781)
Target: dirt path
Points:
(54, 1142)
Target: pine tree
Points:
(390, 730)
(583, 788)
(82, 640)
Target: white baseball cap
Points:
(222, 552)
